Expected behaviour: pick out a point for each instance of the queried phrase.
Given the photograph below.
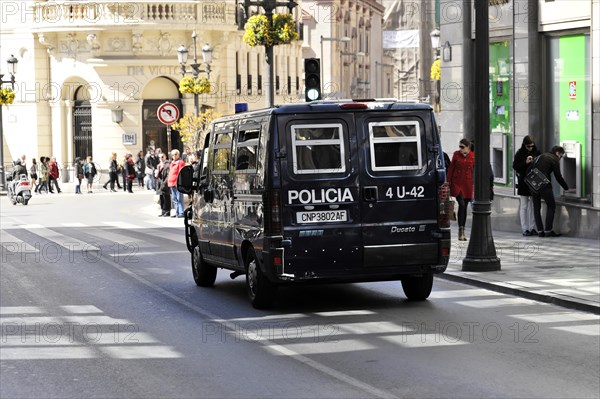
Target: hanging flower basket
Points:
(259, 32)
(284, 28)
(194, 86)
(7, 96)
(436, 72)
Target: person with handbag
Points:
(460, 179)
(521, 163)
(113, 176)
(548, 163)
(79, 174)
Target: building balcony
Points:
(57, 16)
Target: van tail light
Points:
(444, 206)
(272, 204)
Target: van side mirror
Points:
(185, 180)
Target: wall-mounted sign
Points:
(573, 90)
(573, 115)
(129, 138)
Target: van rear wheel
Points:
(418, 288)
(260, 290)
(204, 274)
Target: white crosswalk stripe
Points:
(32, 334)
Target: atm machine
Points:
(570, 167)
(498, 157)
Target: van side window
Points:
(247, 150)
(222, 152)
(395, 145)
(318, 148)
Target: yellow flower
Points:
(202, 86)
(194, 86)
(259, 32)
(284, 28)
(7, 96)
(192, 129)
(436, 72)
(186, 85)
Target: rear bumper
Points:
(381, 263)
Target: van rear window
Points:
(395, 145)
(318, 148)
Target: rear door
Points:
(320, 193)
(398, 189)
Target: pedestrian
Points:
(90, 172)
(521, 163)
(176, 165)
(460, 178)
(162, 188)
(193, 162)
(113, 177)
(33, 173)
(121, 169)
(548, 163)
(129, 167)
(24, 163)
(151, 163)
(186, 153)
(44, 175)
(140, 168)
(79, 174)
(53, 175)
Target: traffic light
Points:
(312, 79)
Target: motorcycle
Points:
(19, 191)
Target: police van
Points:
(326, 191)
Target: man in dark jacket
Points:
(548, 163)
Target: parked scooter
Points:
(19, 191)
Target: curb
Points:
(546, 298)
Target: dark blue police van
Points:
(328, 191)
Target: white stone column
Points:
(67, 133)
(456, 118)
(527, 84)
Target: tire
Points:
(25, 202)
(418, 288)
(261, 291)
(204, 274)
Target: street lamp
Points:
(12, 70)
(268, 6)
(435, 41)
(481, 252)
(182, 57)
(344, 39)
(435, 45)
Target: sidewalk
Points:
(564, 271)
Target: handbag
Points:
(452, 209)
(535, 179)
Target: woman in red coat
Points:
(460, 178)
